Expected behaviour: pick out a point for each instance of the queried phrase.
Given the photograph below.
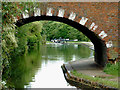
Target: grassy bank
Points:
(112, 69)
(96, 79)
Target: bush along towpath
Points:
(87, 74)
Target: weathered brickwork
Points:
(99, 17)
(104, 15)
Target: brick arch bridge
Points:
(97, 20)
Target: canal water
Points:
(41, 68)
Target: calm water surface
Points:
(42, 68)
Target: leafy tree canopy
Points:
(56, 30)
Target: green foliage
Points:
(56, 30)
(29, 35)
(112, 69)
(16, 42)
(9, 43)
(10, 10)
(43, 39)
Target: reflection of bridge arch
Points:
(73, 17)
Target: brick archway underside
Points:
(99, 44)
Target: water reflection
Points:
(65, 52)
(42, 68)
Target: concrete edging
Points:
(82, 83)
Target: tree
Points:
(56, 30)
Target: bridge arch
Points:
(98, 21)
(99, 44)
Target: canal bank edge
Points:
(81, 82)
(88, 44)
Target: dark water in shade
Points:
(42, 68)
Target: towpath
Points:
(89, 67)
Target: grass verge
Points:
(112, 69)
(96, 79)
